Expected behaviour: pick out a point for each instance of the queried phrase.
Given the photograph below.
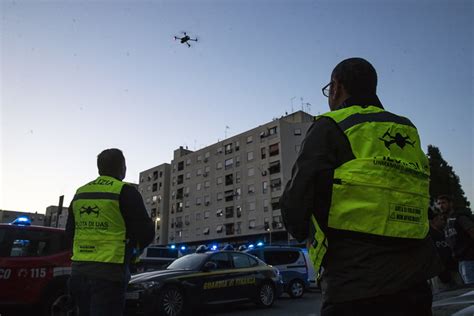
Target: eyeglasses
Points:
(326, 89)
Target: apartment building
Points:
(154, 187)
(230, 191)
(56, 218)
(9, 216)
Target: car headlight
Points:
(147, 285)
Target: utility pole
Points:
(60, 209)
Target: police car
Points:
(34, 266)
(204, 277)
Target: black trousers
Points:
(414, 301)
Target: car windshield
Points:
(188, 262)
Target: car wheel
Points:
(171, 302)
(266, 295)
(59, 303)
(296, 288)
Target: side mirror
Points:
(209, 266)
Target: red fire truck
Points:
(34, 266)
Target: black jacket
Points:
(140, 231)
(356, 265)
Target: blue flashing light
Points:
(183, 248)
(214, 247)
(22, 220)
(260, 244)
(173, 247)
(251, 246)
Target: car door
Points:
(244, 276)
(216, 285)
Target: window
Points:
(221, 260)
(250, 156)
(228, 163)
(229, 195)
(219, 229)
(251, 189)
(186, 220)
(237, 161)
(186, 191)
(297, 148)
(180, 179)
(207, 200)
(229, 212)
(207, 155)
(249, 139)
(27, 243)
(154, 199)
(180, 165)
(275, 184)
(276, 203)
(219, 180)
(237, 177)
(155, 187)
(219, 213)
(237, 194)
(251, 206)
(263, 153)
(179, 222)
(238, 211)
(199, 172)
(228, 148)
(277, 222)
(188, 175)
(238, 229)
(161, 174)
(198, 186)
(207, 214)
(155, 175)
(219, 165)
(198, 201)
(229, 179)
(188, 162)
(219, 150)
(229, 229)
(250, 171)
(278, 257)
(272, 130)
(207, 169)
(207, 184)
(199, 158)
(237, 146)
(273, 150)
(186, 204)
(265, 205)
(298, 131)
(179, 207)
(198, 217)
(206, 231)
(274, 167)
(264, 187)
(266, 223)
(251, 224)
(220, 196)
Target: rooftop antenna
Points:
(225, 132)
(302, 104)
(308, 107)
(292, 104)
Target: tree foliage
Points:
(443, 179)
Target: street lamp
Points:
(269, 230)
(157, 220)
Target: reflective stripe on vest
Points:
(100, 234)
(384, 191)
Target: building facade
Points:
(56, 218)
(154, 187)
(230, 191)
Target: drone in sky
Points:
(185, 39)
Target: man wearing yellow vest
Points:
(107, 223)
(359, 195)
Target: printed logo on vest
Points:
(398, 139)
(404, 213)
(90, 210)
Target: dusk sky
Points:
(78, 77)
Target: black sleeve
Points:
(140, 228)
(323, 149)
(70, 225)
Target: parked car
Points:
(156, 258)
(203, 278)
(35, 265)
(294, 265)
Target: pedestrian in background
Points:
(449, 277)
(107, 222)
(359, 194)
(460, 235)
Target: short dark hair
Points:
(445, 197)
(357, 75)
(110, 162)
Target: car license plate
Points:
(132, 295)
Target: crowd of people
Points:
(452, 232)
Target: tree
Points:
(443, 180)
